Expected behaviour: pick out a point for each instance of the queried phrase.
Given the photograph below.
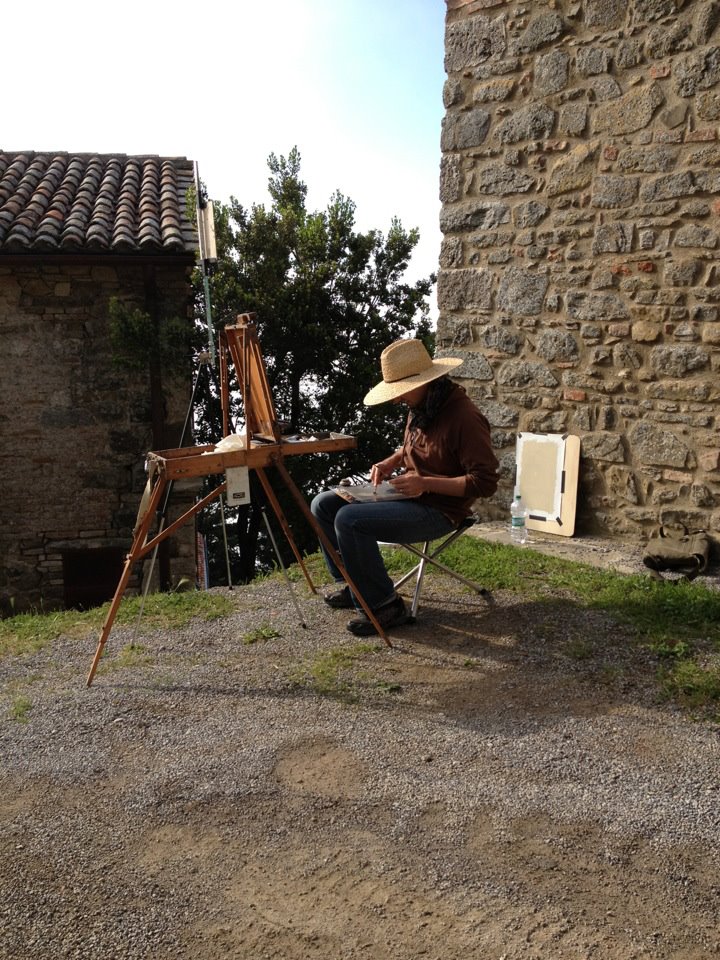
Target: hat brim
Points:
(383, 392)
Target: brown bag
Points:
(675, 549)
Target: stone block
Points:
(651, 444)
(495, 91)
(707, 105)
(451, 183)
(522, 293)
(699, 70)
(652, 160)
(696, 235)
(473, 215)
(572, 119)
(711, 335)
(592, 60)
(104, 274)
(650, 10)
(613, 238)
(453, 92)
(681, 273)
(473, 41)
(499, 414)
(529, 214)
(501, 180)
(611, 190)
(605, 88)
(629, 113)
(595, 306)
(551, 73)
(542, 30)
(625, 355)
(574, 171)
(534, 122)
(464, 129)
(451, 252)
(523, 374)
(500, 340)
(474, 366)
(676, 361)
(602, 446)
(644, 332)
(622, 484)
(465, 289)
(709, 460)
(668, 187)
(557, 346)
(604, 13)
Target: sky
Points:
(356, 85)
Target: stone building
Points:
(580, 188)
(74, 427)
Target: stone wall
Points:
(580, 183)
(75, 428)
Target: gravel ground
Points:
(500, 784)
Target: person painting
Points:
(445, 463)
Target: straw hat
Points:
(405, 365)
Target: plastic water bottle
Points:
(518, 520)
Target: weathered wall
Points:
(75, 428)
(580, 184)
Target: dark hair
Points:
(421, 417)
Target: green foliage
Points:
(695, 684)
(129, 656)
(28, 632)
(329, 673)
(261, 633)
(678, 622)
(138, 339)
(328, 300)
(20, 709)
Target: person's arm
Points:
(412, 485)
(384, 469)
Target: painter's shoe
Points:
(340, 600)
(392, 614)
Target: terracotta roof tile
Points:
(66, 203)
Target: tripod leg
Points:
(135, 552)
(282, 567)
(225, 545)
(270, 493)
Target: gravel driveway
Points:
(500, 784)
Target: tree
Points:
(328, 299)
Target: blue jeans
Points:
(354, 529)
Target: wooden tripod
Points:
(265, 447)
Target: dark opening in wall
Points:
(91, 576)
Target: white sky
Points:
(356, 85)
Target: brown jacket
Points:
(456, 443)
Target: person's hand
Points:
(411, 484)
(383, 470)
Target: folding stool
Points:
(418, 570)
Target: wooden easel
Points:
(265, 448)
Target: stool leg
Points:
(418, 583)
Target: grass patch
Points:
(29, 632)
(129, 656)
(331, 673)
(679, 622)
(664, 613)
(691, 683)
(262, 633)
(20, 709)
